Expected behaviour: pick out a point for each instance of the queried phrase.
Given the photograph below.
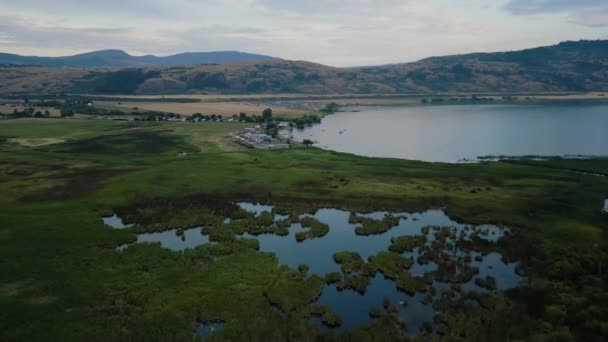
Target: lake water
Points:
(454, 133)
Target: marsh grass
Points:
(52, 238)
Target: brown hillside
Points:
(571, 66)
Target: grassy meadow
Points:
(62, 278)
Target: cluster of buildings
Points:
(257, 138)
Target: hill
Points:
(566, 67)
(121, 59)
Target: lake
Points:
(456, 133)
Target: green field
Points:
(61, 277)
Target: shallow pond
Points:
(206, 329)
(353, 307)
(115, 222)
(605, 209)
(318, 253)
(451, 133)
(170, 239)
(257, 209)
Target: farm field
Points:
(219, 108)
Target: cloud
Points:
(593, 13)
(333, 32)
(69, 7)
(26, 34)
(331, 7)
(554, 6)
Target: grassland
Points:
(61, 277)
(227, 109)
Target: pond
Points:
(352, 306)
(115, 222)
(174, 240)
(206, 329)
(455, 133)
(605, 209)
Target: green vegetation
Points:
(392, 265)
(306, 120)
(125, 81)
(316, 229)
(350, 261)
(331, 108)
(406, 243)
(371, 226)
(267, 114)
(61, 275)
(487, 282)
(328, 318)
(292, 291)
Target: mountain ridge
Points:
(580, 66)
(114, 58)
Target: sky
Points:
(332, 32)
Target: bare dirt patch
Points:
(35, 142)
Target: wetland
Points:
(101, 237)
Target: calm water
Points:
(169, 239)
(605, 209)
(459, 132)
(353, 307)
(207, 329)
(115, 222)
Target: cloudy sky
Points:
(332, 32)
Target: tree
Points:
(307, 142)
(331, 108)
(65, 113)
(267, 114)
(272, 129)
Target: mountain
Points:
(580, 66)
(121, 59)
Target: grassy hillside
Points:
(571, 66)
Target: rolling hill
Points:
(566, 67)
(121, 59)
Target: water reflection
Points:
(207, 329)
(115, 222)
(170, 239)
(353, 307)
(465, 132)
(318, 253)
